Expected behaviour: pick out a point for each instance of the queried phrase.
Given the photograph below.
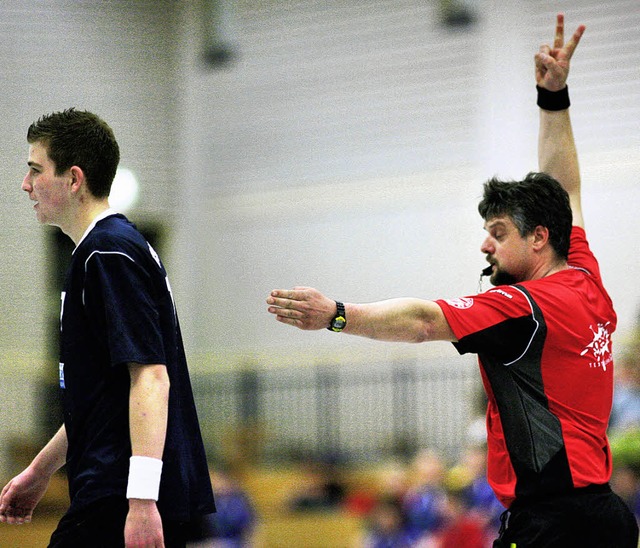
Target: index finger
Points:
(575, 40)
(290, 294)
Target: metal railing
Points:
(354, 412)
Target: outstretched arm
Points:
(399, 320)
(557, 154)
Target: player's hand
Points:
(303, 307)
(21, 495)
(552, 63)
(143, 528)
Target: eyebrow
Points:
(32, 164)
(498, 223)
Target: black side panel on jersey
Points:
(511, 355)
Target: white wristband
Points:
(144, 478)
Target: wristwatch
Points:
(340, 319)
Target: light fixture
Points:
(124, 190)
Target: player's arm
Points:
(148, 412)
(399, 320)
(557, 154)
(21, 495)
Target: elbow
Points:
(158, 386)
(150, 378)
(418, 330)
(422, 334)
(430, 324)
(427, 333)
(164, 384)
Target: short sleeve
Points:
(118, 300)
(499, 321)
(580, 254)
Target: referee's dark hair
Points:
(79, 138)
(538, 200)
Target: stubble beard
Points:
(500, 277)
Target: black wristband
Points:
(553, 100)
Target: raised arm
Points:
(399, 320)
(557, 154)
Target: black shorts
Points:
(592, 517)
(101, 525)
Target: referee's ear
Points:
(540, 237)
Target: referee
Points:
(542, 336)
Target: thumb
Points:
(546, 60)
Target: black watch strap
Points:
(339, 321)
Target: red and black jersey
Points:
(544, 349)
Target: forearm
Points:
(148, 413)
(558, 156)
(148, 409)
(53, 456)
(21, 495)
(398, 320)
(401, 320)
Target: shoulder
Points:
(483, 310)
(113, 234)
(501, 297)
(580, 254)
(114, 230)
(501, 321)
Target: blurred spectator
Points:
(462, 528)
(393, 483)
(387, 527)
(233, 522)
(423, 505)
(625, 481)
(470, 476)
(320, 487)
(625, 413)
(390, 485)
(624, 427)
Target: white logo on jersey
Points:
(461, 302)
(600, 346)
(502, 292)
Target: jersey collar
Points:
(106, 213)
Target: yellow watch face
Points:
(338, 323)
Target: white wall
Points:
(118, 60)
(345, 148)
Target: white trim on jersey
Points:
(98, 218)
(533, 316)
(103, 253)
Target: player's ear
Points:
(77, 178)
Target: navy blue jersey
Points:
(117, 308)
